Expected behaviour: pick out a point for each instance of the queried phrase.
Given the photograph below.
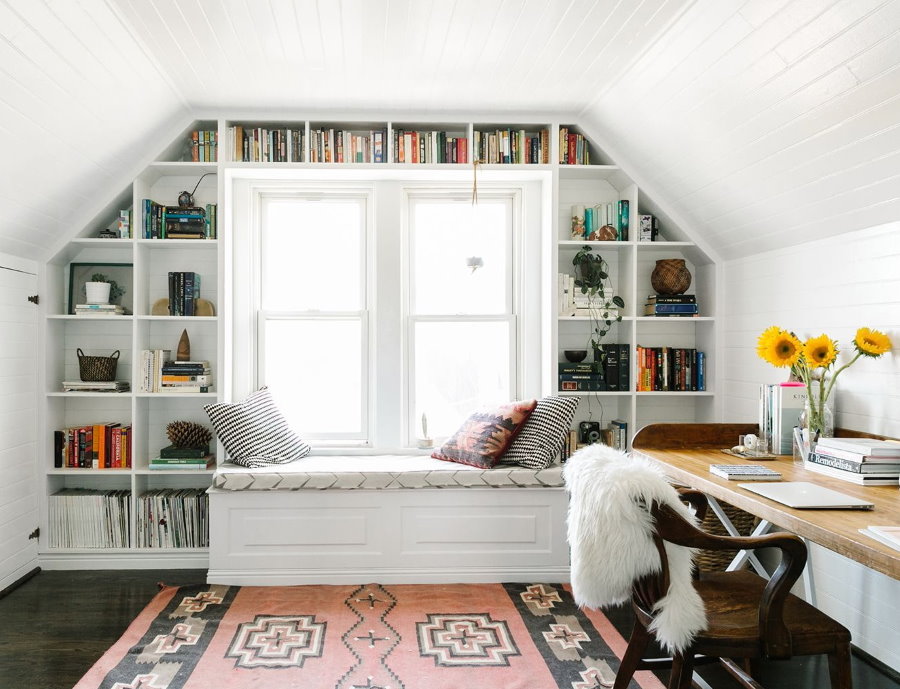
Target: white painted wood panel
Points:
(18, 409)
(834, 285)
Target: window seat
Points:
(386, 518)
(381, 472)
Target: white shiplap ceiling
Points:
(755, 124)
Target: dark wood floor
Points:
(55, 626)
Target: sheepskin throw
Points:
(610, 534)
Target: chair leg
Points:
(682, 671)
(839, 668)
(637, 645)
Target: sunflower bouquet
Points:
(811, 361)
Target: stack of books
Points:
(96, 386)
(185, 376)
(574, 302)
(585, 377)
(99, 310)
(184, 222)
(183, 458)
(671, 306)
(865, 461)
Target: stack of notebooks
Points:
(864, 461)
(183, 458)
(99, 310)
(96, 386)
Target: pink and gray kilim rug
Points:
(455, 636)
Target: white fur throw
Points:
(610, 535)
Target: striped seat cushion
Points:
(254, 432)
(542, 437)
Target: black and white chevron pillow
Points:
(540, 440)
(254, 431)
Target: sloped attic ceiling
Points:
(754, 124)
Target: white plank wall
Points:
(834, 286)
(18, 411)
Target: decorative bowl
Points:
(575, 355)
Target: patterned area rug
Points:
(454, 636)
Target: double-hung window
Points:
(461, 307)
(313, 316)
(365, 307)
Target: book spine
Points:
(842, 464)
(624, 367)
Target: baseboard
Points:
(144, 560)
(388, 576)
(879, 665)
(18, 582)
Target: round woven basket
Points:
(97, 368)
(670, 276)
(718, 560)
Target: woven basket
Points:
(718, 560)
(97, 368)
(670, 276)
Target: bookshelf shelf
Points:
(110, 395)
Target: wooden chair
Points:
(748, 616)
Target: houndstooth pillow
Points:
(254, 432)
(541, 438)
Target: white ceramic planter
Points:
(97, 292)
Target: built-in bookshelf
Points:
(572, 171)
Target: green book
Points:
(170, 451)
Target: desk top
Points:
(693, 447)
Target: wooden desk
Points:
(687, 450)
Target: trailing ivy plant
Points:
(592, 278)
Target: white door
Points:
(18, 411)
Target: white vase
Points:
(97, 292)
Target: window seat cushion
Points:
(380, 472)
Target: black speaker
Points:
(589, 432)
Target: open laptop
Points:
(802, 495)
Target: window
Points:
(364, 305)
(462, 326)
(313, 311)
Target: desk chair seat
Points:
(746, 617)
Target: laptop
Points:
(807, 496)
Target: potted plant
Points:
(592, 278)
(102, 290)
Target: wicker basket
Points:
(718, 560)
(97, 368)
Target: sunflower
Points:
(778, 347)
(820, 351)
(871, 342)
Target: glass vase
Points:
(815, 424)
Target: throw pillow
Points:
(254, 431)
(544, 433)
(486, 435)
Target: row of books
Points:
(412, 146)
(89, 518)
(173, 518)
(178, 222)
(677, 369)
(615, 435)
(204, 145)
(864, 461)
(96, 386)
(264, 145)
(94, 446)
(780, 406)
(573, 148)
(173, 458)
(573, 302)
(672, 306)
(342, 146)
(184, 291)
(511, 146)
(160, 374)
(603, 222)
(611, 373)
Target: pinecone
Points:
(188, 434)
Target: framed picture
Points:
(119, 275)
